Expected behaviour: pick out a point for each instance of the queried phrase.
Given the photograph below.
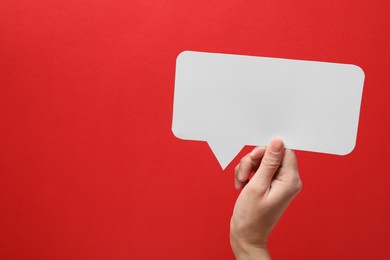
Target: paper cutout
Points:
(231, 101)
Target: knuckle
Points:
(255, 190)
(245, 160)
(251, 189)
(297, 185)
(236, 172)
(236, 168)
(271, 162)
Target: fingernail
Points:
(276, 146)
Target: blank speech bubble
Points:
(231, 101)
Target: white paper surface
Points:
(231, 101)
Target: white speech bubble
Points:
(231, 101)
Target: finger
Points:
(289, 160)
(243, 171)
(288, 174)
(238, 185)
(258, 153)
(247, 165)
(270, 163)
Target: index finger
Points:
(248, 164)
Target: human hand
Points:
(263, 198)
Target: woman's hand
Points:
(264, 197)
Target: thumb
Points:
(269, 165)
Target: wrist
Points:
(249, 252)
(258, 254)
(246, 251)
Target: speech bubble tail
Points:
(224, 152)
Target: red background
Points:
(91, 170)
